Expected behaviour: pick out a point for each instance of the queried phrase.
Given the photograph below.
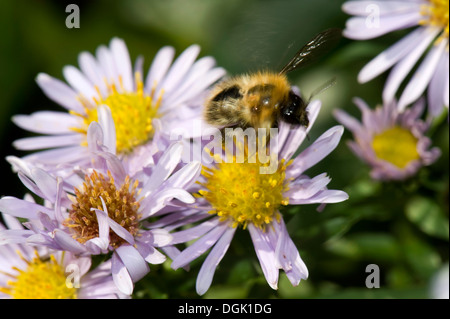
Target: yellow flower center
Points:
(240, 193)
(436, 14)
(397, 146)
(42, 279)
(132, 113)
(120, 203)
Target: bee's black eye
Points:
(293, 110)
(231, 92)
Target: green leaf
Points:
(428, 216)
(421, 256)
(376, 247)
(399, 277)
(242, 271)
(228, 291)
(286, 290)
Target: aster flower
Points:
(430, 17)
(392, 143)
(103, 210)
(232, 194)
(41, 273)
(171, 96)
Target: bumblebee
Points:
(262, 99)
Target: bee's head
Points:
(293, 110)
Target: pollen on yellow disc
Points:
(41, 279)
(239, 192)
(121, 205)
(132, 112)
(397, 146)
(435, 13)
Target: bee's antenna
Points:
(289, 47)
(319, 90)
(322, 88)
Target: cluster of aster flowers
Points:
(105, 178)
(391, 138)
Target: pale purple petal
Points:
(102, 241)
(21, 208)
(410, 117)
(313, 110)
(95, 137)
(438, 86)
(120, 275)
(19, 165)
(122, 61)
(401, 70)
(104, 289)
(325, 196)
(79, 82)
(138, 69)
(185, 176)
(297, 135)
(161, 237)
(11, 222)
(28, 183)
(391, 56)
(83, 263)
(66, 242)
(59, 155)
(14, 236)
(206, 273)
(165, 166)
(199, 87)
(106, 122)
(194, 232)
(446, 86)
(58, 198)
(150, 254)
(179, 68)
(136, 265)
(196, 83)
(306, 188)
(369, 122)
(172, 252)
(43, 240)
(288, 256)
(159, 67)
(48, 223)
(199, 247)
(96, 276)
(59, 92)
(176, 219)
(106, 61)
(120, 231)
(46, 183)
(357, 27)
(42, 142)
(266, 255)
(197, 70)
(114, 165)
(348, 121)
(159, 199)
(90, 67)
(363, 8)
(422, 76)
(47, 122)
(323, 146)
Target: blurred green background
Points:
(401, 227)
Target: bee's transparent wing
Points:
(314, 49)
